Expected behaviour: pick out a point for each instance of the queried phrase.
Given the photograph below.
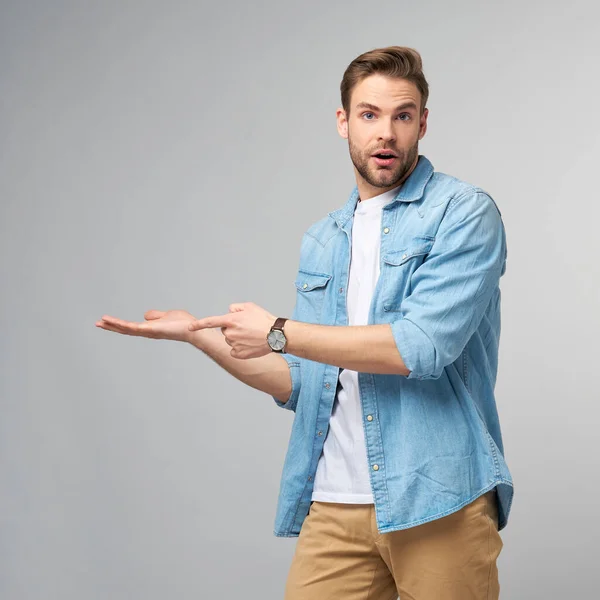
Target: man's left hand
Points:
(245, 329)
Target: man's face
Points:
(384, 115)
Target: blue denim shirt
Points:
(433, 437)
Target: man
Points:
(394, 480)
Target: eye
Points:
(404, 115)
(368, 113)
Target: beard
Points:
(383, 177)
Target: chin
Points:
(386, 180)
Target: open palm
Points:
(159, 324)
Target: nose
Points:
(386, 131)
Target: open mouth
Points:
(384, 159)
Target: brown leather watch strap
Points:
(279, 322)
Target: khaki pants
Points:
(341, 556)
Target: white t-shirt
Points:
(342, 473)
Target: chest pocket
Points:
(311, 289)
(397, 269)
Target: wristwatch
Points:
(276, 338)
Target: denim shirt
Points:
(433, 437)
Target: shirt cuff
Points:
(416, 349)
(294, 366)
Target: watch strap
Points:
(279, 323)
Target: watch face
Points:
(276, 339)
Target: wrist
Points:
(289, 331)
(197, 338)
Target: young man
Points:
(394, 480)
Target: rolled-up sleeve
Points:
(294, 364)
(452, 288)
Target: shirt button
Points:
(375, 467)
(309, 478)
(320, 433)
(327, 385)
(305, 286)
(341, 290)
(386, 230)
(369, 417)
(403, 256)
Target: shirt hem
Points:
(342, 498)
(390, 528)
(454, 509)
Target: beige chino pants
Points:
(340, 555)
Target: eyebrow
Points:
(404, 105)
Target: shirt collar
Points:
(412, 189)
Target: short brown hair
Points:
(393, 61)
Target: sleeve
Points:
(452, 288)
(294, 362)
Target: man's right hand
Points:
(161, 325)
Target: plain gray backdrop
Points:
(170, 155)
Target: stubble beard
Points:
(382, 177)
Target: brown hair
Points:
(393, 61)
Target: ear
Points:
(423, 124)
(342, 122)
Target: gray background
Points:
(170, 155)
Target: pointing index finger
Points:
(208, 322)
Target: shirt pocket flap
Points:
(308, 280)
(418, 246)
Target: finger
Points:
(116, 321)
(112, 321)
(112, 327)
(108, 319)
(154, 314)
(218, 321)
(127, 327)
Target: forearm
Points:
(269, 373)
(362, 348)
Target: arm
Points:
(453, 288)
(363, 348)
(272, 373)
(450, 292)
